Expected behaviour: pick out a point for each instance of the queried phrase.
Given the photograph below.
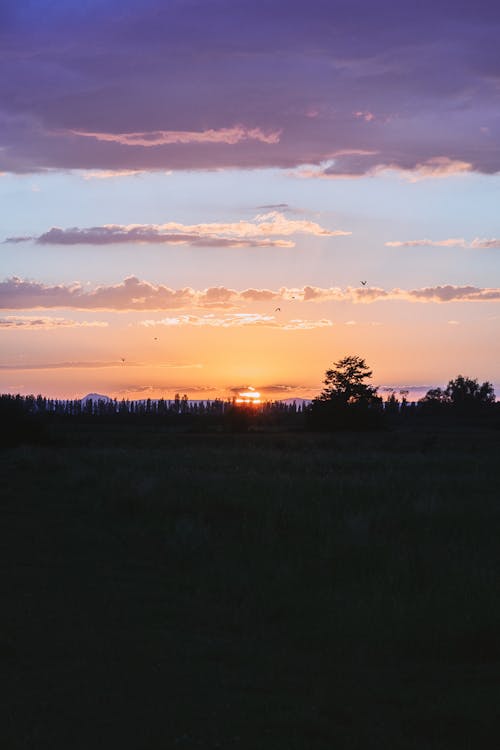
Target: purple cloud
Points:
(353, 85)
(254, 233)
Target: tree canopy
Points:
(345, 382)
(461, 393)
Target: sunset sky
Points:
(193, 191)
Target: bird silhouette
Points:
(363, 283)
(278, 309)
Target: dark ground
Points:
(251, 591)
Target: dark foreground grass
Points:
(251, 591)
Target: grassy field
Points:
(251, 591)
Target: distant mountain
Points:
(95, 397)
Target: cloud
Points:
(130, 294)
(450, 293)
(111, 174)
(168, 137)
(134, 294)
(280, 388)
(215, 85)
(493, 243)
(95, 365)
(436, 168)
(237, 234)
(366, 116)
(238, 320)
(352, 164)
(61, 365)
(17, 240)
(45, 324)
(111, 235)
(274, 207)
(451, 242)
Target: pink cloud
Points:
(111, 174)
(134, 294)
(152, 138)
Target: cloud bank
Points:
(132, 294)
(347, 87)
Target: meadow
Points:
(257, 591)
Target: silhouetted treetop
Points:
(345, 382)
(463, 390)
(461, 393)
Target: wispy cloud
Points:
(89, 365)
(96, 365)
(134, 294)
(111, 174)
(256, 233)
(484, 243)
(451, 242)
(149, 139)
(438, 167)
(239, 320)
(45, 324)
(17, 240)
(477, 243)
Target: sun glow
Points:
(250, 396)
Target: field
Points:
(251, 591)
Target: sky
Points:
(198, 196)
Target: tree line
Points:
(347, 402)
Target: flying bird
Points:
(363, 283)
(278, 309)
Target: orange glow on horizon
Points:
(251, 396)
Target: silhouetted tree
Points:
(184, 404)
(434, 399)
(347, 401)
(345, 382)
(463, 392)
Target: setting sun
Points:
(250, 396)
